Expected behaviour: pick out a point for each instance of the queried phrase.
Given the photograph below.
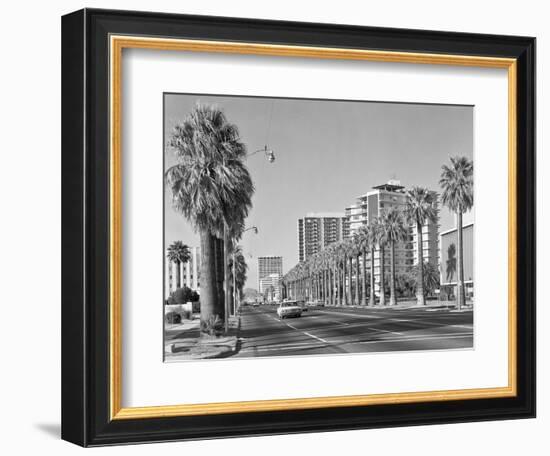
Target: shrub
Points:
(186, 314)
(173, 317)
(213, 326)
(183, 295)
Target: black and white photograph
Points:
(298, 227)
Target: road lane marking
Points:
(315, 337)
(414, 339)
(348, 314)
(386, 331)
(422, 324)
(331, 321)
(320, 339)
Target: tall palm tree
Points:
(420, 208)
(393, 230)
(209, 185)
(356, 253)
(178, 253)
(348, 270)
(381, 241)
(238, 270)
(233, 229)
(363, 241)
(457, 183)
(341, 272)
(371, 240)
(332, 266)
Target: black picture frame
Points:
(85, 228)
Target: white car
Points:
(289, 309)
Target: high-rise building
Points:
(318, 230)
(188, 273)
(372, 205)
(270, 273)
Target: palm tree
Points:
(178, 253)
(363, 241)
(420, 208)
(348, 270)
(356, 253)
(381, 241)
(210, 184)
(393, 230)
(431, 276)
(341, 272)
(238, 268)
(332, 275)
(371, 240)
(457, 183)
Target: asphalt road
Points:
(332, 330)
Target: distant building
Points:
(271, 288)
(270, 273)
(189, 273)
(372, 205)
(318, 230)
(448, 267)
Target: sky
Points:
(326, 154)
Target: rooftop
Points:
(324, 215)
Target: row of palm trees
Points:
(338, 274)
(211, 187)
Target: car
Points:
(289, 309)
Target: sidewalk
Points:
(184, 342)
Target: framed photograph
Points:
(270, 227)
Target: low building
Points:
(449, 268)
(187, 274)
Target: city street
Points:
(329, 330)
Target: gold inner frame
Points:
(117, 44)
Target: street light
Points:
(269, 154)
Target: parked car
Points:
(289, 309)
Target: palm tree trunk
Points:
(393, 300)
(209, 302)
(382, 274)
(335, 283)
(364, 281)
(340, 300)
(344, 281)
(220, 273)
(325, 286)
(357, 279)
(420, 298)
(372, 297)
(226, 278)
(460, 260)
(178, 274)
(333, 286)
